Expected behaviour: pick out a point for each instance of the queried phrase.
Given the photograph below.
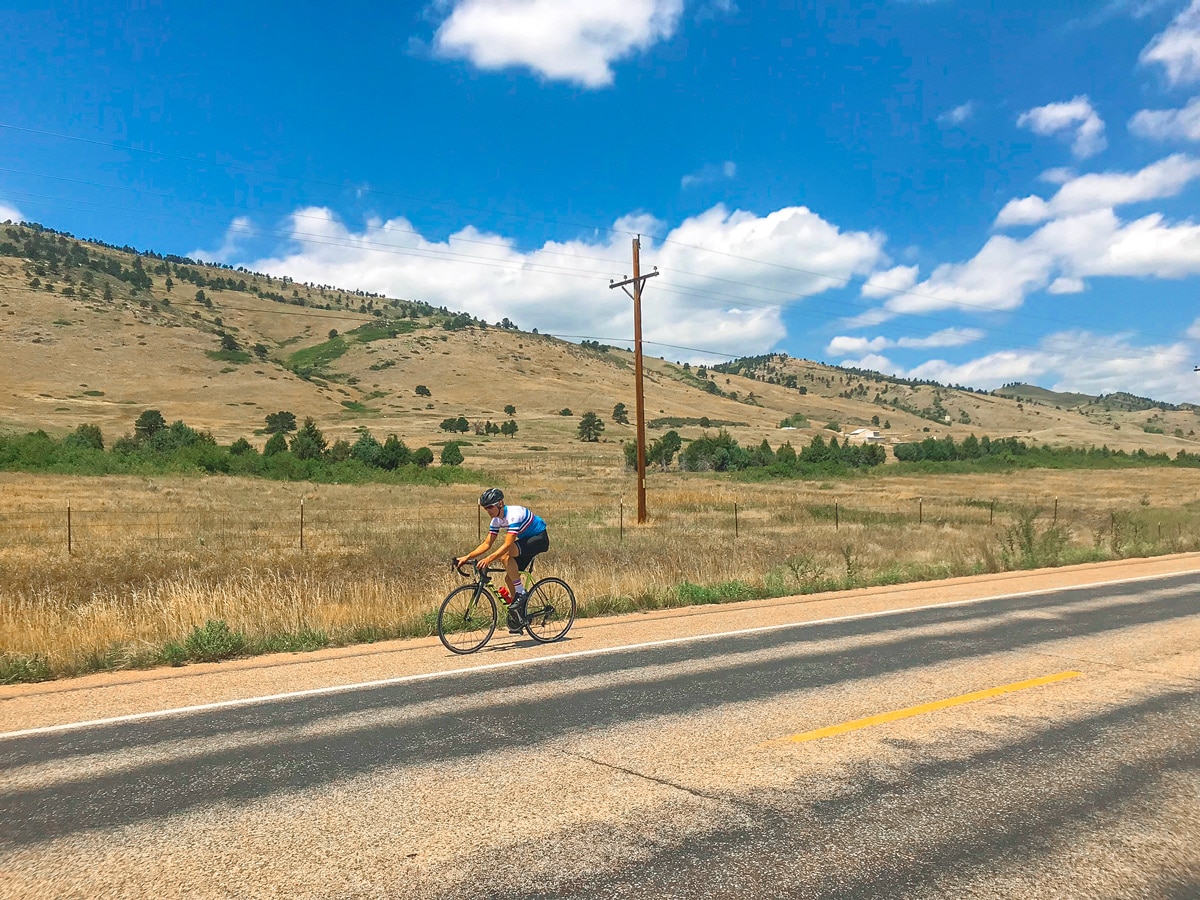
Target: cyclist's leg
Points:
(511, 575)
(512, 571)
(526, 552)
(529, 549)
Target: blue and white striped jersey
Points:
(520, 521)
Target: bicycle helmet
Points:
(491, 497)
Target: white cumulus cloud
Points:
(1103, 190)
(709, 173)
(1065, 285)
(239, 230)
(1066, 361)
(947, 337)
(997, 278)
(726, 276)
(1074, 119)
(890, 281)
(1061, 252)
(9, 212)
(1059, 175)
(1168, 124)
(1178, 48)
(561, 40)
(958, 115)
(1148, 247)
(1023, 211)
(844, 343)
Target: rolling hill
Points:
(96, 334)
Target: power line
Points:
(432, 253)
(358, 243)
(500, 245)
(563, 271)
(524, 266)
(662, 239)
(304, 180)
(590, 337)
(362, 243)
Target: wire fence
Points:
(321, 527)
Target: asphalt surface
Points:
(666, 771)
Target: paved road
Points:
(678, 770)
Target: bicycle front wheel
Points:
(466, 619)
(550, 610)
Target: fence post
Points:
(478, 523)
(920, 510)
(302, 523)
(991, 512)
(836, 517)
(1055, 511)
(621, 522)
(158, 529)
(735, 521)
(68, 528)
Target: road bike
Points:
(467, 617)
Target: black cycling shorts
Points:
(530, 547)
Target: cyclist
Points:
(524, 538)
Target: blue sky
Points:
(972, 192)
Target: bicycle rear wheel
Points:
(466, 619)
(549, 610)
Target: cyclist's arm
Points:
(510, 538)
(478, 551)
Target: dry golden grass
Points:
(152, 560)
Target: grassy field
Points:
(172, 570)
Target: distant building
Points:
(865, 436)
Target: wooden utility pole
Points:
(637, 281)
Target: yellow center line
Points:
(895, 715)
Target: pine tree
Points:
(590, 427)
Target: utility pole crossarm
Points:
(624, 285)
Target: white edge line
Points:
(578, 654)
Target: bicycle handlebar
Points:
(471, 571)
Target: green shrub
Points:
(1024, 546)
(173, 654)
(275, 445)
(725, 592)
(85, 437)
(18, 669)
(213, 641)
(304, 640)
